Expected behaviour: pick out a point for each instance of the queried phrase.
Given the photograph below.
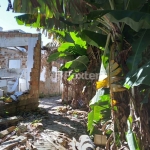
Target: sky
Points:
(8, 22)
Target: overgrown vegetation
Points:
(119, 29)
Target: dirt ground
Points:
(63, 118)
(52, 126)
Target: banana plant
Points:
(79, 57)
(126, 25)
(77, 51)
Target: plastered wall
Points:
(30, 100)
(52, 84)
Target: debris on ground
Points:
(10, 120)
(51, 127)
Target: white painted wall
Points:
(54, 74)
(42, 75)
(13, 41)
(31, 44)
(21, 41)
(14, 63)
(3, 83)
(1, 93)
(22, 85)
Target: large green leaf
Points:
(53, 57)
(93, 38)
(70, 15)
(100, 3)
(97, 116)
(131, 138)
(78, 40)
(25, 6)
(78, 46)
(57, 55)
(90, 124)
(101, 110)
(140, 76)
(54, 13)
(136, 4)
(43, 6)
(72, 48)
(78, 50)
(136, 20)
(119, 4)
(137, 48)
(45, 22)
(80, 63)
(65, 46)
(26, 19)
(94, 117)
(100, 92)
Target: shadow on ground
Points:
(71, 124)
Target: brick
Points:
(34, 83)
(36, 57)
(35, 78)
(34, 35)
(21, 98)
(7, 131)
(28, 35)
(33, 100)
(22, 103)
(35, 70)
(32, 106)
(36, 66)
(21, 108)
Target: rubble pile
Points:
(48, 128)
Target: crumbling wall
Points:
(7, 53)
(11, 74)
(30, 100)
(51, 84)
